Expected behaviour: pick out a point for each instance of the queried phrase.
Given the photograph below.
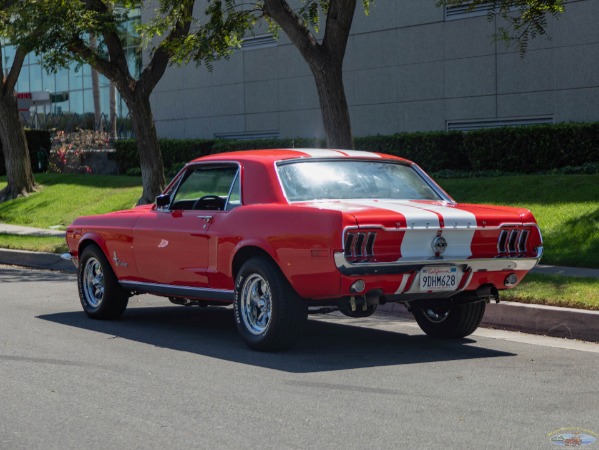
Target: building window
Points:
(465, 11)
(471, 125)
(259, 41)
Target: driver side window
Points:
(205, 188)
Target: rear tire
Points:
(101, 295)
(268, 313)
(454, 322)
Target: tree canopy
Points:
(90, 32)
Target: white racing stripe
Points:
(360, 154)
(415, 215)
(325, 153)
(319, 152)
(423, 225)
(458, 231)
(452, 216)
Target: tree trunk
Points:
(113, 125)
(325, 61)
(333, 105)
(16, 154)
(150, 158)
(96, 90)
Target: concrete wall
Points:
(407, 68)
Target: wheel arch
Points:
(247, 252)
(93, 239)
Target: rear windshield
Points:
(350, 179)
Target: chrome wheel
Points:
(256, 304)
(93, 282)
(434, 316)
(269, 314)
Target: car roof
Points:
(280, 154)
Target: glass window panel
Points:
(8, 53)
(49, 81)
(88, 101)
(319, 180)
(62, 80)
(86, 73)
(75, 77)
(105, 101)
(35, 77)
(76, 102)
(23, 82)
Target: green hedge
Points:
(528, 149)
(175, 153)
(36, 139)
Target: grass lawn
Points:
(556, 290)
(64, 197)
(566, 208)
(33, 243)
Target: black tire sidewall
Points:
(461, 321)
(115, 299)
(288, 313)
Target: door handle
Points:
(206, 219)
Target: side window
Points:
(205, 187)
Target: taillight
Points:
(512, 241)
(359, 245)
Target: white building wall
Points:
(407, 68)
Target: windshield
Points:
(350, 179)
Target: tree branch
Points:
(153, 72)
(8, 86)
(293, 26)
(339, 21)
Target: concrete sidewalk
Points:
(6, 228)
(537, 319)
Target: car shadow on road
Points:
(325, 346)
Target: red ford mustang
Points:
(280, 233)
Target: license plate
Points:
(439, 278)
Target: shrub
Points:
(571, 148)
(173, 152)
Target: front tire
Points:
(453, 322)
(268, 313)
(100, 293)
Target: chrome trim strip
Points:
(179, 291)
(393, 268)
(471, 228)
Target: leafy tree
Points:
(524, 19)
(65, 31)
(20, 181)
(323, 56)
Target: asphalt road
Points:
(166, 376)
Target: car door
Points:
(171, 245)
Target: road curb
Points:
(36, 260)
(534, 319)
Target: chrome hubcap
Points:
(434, 316)
(256, 304)
(93, 282)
